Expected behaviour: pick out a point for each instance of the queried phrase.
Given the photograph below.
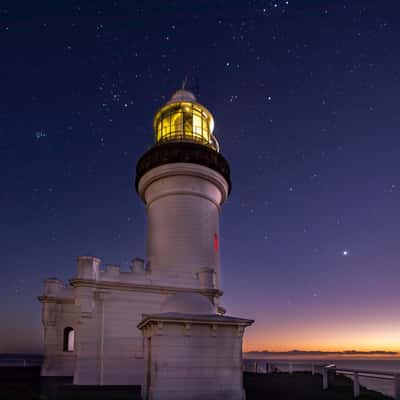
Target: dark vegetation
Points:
(18, 383)
(25, 384)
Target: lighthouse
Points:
(159, 325)
(183, 181)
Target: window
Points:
(185, 121)
(69, 339)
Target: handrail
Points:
(326, 368)
(269, 366)
(367, 371)
(357, 373)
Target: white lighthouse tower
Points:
(183, 181)
(160, 324)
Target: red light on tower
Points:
(215, 242)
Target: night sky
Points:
(305, 96)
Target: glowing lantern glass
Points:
(185, 121)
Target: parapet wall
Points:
(140, 273)
(89, 269)
(54, 288)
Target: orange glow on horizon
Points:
(329, 339)
(249, 346)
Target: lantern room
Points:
(183, 119)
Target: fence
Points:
(355, 374)
(262, 366)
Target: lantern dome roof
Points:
(182, 95)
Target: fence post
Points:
(24, 363)
(312, 369)
(325, 378)
(397, 387)
(290, 368)
(255, 366)
(356, 385)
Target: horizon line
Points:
(322, 352)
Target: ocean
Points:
(389, 364)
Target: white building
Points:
(160, 323)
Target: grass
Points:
(25, 384)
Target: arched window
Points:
(69, 339)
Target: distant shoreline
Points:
(322, 355)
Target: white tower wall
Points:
(183, 206)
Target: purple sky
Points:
(305, 96)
